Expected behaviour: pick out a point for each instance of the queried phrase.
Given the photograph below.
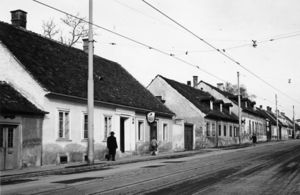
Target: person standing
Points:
(153, 146)
(254, 139)
(112, 146)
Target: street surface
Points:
(271, 168)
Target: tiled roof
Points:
(13, 103)
(234, 99)
(197, 97)
(270, 117)
(63, 70)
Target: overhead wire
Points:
(219, 50)
(132, 40)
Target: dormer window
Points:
(246, 105)
(211, 105)
(221, 107)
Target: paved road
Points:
(262, 169)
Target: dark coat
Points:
(112, 143)
(254, 139)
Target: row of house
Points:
(43, 106)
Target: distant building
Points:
(207, 121)
(252, 121)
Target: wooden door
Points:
(9, 140)
(188, 137)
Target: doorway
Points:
(125, 134)
(153, 131)
(8, 147)
(188, 137)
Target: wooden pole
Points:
(90, 89)
(239, 111)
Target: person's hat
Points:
(112, 133)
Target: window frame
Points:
(107, 131)
(66, 135)
(85, 125)
(141, 132)
(207, 128)
(165, 132)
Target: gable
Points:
(12, 102)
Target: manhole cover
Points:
(153, 166)
(16, 181)
(70, 181)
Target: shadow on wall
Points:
(31, 152)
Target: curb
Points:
(97, 166)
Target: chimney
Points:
(195, 81)
(188, 83)
(220, 86)
(260, 106)
(282, 113)
(160, 99)
(269, 109)
(85, 45)
(19, 18)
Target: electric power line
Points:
(132, 40)
(219, 51)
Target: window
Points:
(213, 126)
(1, 137)
(234, 131)
(10, 138)
(85, 126)
(165, 131)
(249, 126)
(141, 128)
(224, 130)
(64, 124)
(230, 131)
(220, 130)
(107, 126)
(208, 129)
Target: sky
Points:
(226, 24)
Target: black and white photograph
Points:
(149, 97)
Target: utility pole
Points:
(239, 111)
(294, 136)
(90, 88)
(277, 129)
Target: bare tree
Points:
(50, 28)
(76, 29)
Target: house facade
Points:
(20, 130)
(252, 121)
(207, 121)
(53, 77)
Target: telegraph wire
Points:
(219, 51)
(132, 40)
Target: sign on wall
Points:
(151, 117)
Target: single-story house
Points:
(53, 76)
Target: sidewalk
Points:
(85, 167)
(98, 165)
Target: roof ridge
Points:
(53, 40)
